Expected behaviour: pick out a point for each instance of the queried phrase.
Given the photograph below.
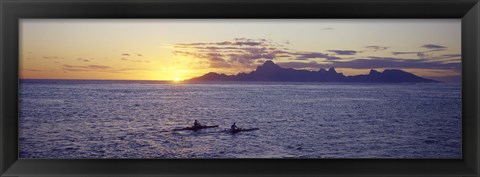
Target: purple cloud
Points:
(451, 55)
(433, 46)
(344, 52)
(388, 62)
(296, 64)
(421, 54)
(376, 47)
(241, 52)
(235, 42)
(376, 62)
(424, 54)
(250, 52)
(310, 55)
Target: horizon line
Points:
(265, 62)
(93, 79)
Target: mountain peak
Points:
(268, 62)
(372, 72)
(268, 65)
(332, 70)
(322, 70)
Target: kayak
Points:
(195, 128)
(241, 130)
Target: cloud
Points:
(51, 57)
(297, 64)
(239, 52)
(388, 62)
(377, 62)
(135, 57)
(83, 60)
(98, 67)
(310, 55)
(33, 70)
(251, 52)
(455, 58)
(134, 60)
(247, 43)
(219, 64)
(127, 55)
(71, 66)
(433, 46)
(327, 28)
(403, 53)
(423, 54)
(85, 67)
(451, 55)
(235, 42)
(376, 47)
(344, 52)
(244, 52)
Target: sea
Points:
(72, 119)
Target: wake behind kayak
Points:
(238, 130)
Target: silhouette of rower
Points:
(234, 127)
(196, 124)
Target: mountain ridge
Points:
(269, 71)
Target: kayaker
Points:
(234, 127)
(196, 124)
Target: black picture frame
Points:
(13, 10)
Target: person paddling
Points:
(196, 124)
(233, 127)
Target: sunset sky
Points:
(165, 49)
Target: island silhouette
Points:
(270, 71)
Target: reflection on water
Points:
(101, 119)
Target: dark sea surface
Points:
(134, 119)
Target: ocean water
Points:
(132, 119)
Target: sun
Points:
(177, 79)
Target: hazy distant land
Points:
(270, 71)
